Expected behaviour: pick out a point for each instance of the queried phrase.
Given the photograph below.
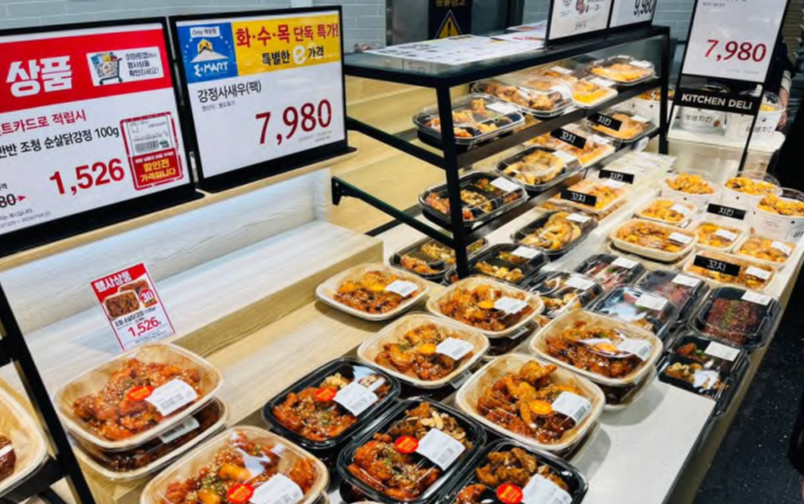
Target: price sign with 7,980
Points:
(262, 87)
(733, 39)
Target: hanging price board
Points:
(576, 18)
(733, 39)
(265, 92)
(631, 12)
(88, 121)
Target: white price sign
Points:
(88, 119)
(263, 87)
(628, 12)
(573, 18)
(733, 39)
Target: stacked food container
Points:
(22, 446)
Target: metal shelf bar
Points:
(395, 142)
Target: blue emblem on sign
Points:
(207, 52)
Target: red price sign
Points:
(743, 51)
(88, 176)
(306, 118)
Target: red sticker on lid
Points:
(140, 393)
(325, 394)
(406, 444)
(239, 494)
(148, 297)
(509, 494)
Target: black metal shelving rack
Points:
(442, 78)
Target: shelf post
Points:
(664, 119)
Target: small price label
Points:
(356, 398)
(722, 351)
(732, 213)
(526, 252)
(579, 197)
(505, 185)
(683, 210)
(614, 184)
(569, 138)
(565, 156)
(510, 305)
(717, 266)
(541, 490)
(183, 428)
(441, 449)
(642, 64)
(579, 282)
(758, 272)
(650, 302)
(278, 490)
(726, 235)
(561, 70)
(636, 347)
(628, 178)
(686, 281)
(402, 287)
(680, 238)
(455, 348)
(172, 396)
(599, 81)
(624, 263)
(580, 219)
(573, 406)
(781, 247)
(756, 298)
(606, 121)
(640, 119)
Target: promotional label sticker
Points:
(172, 396)
(441, 449)
(356, 398)
(278, 490)
(573, 406)
(722, 351)
(510, 305)
(756, 298)
(180, 430)
(686, 281)
(526, 252)
(454, 348)
(625, 263)
(402, 287)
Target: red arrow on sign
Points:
(21, 198)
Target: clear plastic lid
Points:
(765, 250)
(655, 94)
(592, 196)
(540, 96)
(711, 354)
(425, 441)
(610, 270)
(668, 211)
(622, 69)
(562, 291)
(592, 91)
(683, 291)
(515, 264)
(627, 127)
(536, 403)
(244, 464)
(540, 168)
(504, 346)
(743, 318)
(790, 203)
(477, 117)
(484, 196)
(556, 232)
(754, 184)
(562, 70)
(620, 398)
(691, 375)
(323, 409)
(507, 470)
(595, 147)
(653, 240)
(430, 258)
(644, 309)
(715, 236)
(721, 268)
(599, 347)
(690, 183)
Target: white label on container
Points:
(639, 118)
(573, 406)
(454, 348)
(526, 252)
(651, 302)
(561, 70)
(501, 107)
(510, 305)
(756, 298)
(681, 209)
(728, 235)
(640, 348)
(172, 396)
(603, 141)
(641, 145)
(441, 449)
(616, 184)
(579, 282)
(722, 351)
(356, 398)
(685, 280)
(680, 238)
(641, 63)
(758, 272)
(540, 490)
(625, 263)
(402, 287)
(460, 379)
(581, 219)
(183, 428)
(781, 247)
(505, 185)
(602, 82)
(278, 490)
(565, 156)
(705, 379)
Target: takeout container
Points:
(782, 250)
(591, 91)
(554, 284)
(440, 266)
(95, 379)
(756, 271)
(650, 105)
(742, 198)
(538, 345)
(770, 113)
(623, 303)
(27, 440)
(561, 167)
(652, 253)
(680, 213)
(702, 120)
(683, 291)
(620, 398)
(350, 369)
(537, 96)
(649, 264)
(777, 226)
(570, 475)
(470, 393)
(327, 290)
(102, 462)
(588, 186)
(369, 349)
(612, 68)
(192, 463)
(766, 311)
(641, 126)
(701, 201)
(474, 434)
(585, 222)
(730, 236)
(528, 266)
(610, 271)
(433, 305)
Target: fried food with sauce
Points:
(476, 307)
(368, 293)
(415, 353)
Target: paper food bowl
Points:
(658, 255)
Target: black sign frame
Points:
(273, 167)
(96, 218)
(548, 41)
(630, 26)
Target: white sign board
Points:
(578, 17)
(628, 12)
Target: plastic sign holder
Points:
(572, 20)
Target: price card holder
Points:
(629, 14)
(91, 130)
(265, 91)
(573, 21)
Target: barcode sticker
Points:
(614, 184)
(680, 238)
(602, 82)
(642, 63)
(604, 141)
(640, 348)
(686, 281)
(639, 118)
(624, 263)
(705, 379)
(505, 185)
(756, 298)
(681, 209)
(278, 490)
(561, 70)
(172, 396)
(525, 252)
(758, 272)
(356, 398)
(579, 282)
(454, 348)
(460, 379)
(722, 351)
(581, 219)
(565, 156)
(781, 247)
(441, 449)
(727, 235)
(510, 305)
(402, 287)
(651, 302)
(146, 147)
(573, 406)
(540, 490)
(183, 428)
(501, 107)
